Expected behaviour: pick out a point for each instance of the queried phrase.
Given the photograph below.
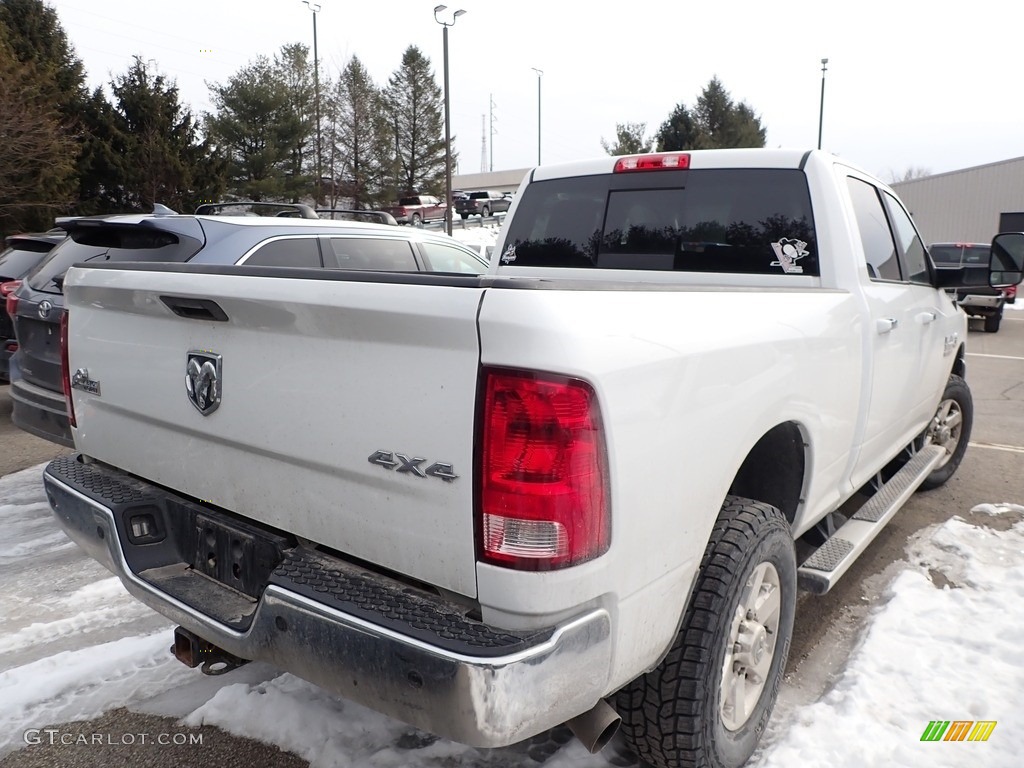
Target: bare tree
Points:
(629, 140)
(912, 172)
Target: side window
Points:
(445, 258)
(385, 255)
(913, 256)
(297, 252)
(879, 248)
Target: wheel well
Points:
(960, 364)
(773, 471)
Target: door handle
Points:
(195, 309)
(926, 317)
(886, 324)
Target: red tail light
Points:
(544, 478)
(7, 290)
(65, 368)
(1010, 291)
(662, 161)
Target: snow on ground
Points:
(944, 645)
(476, 236)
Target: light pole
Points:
(315, 8)
(447, 119)
(821, 109)
(540, 73)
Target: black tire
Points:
(992, 322)
(949, 431)
(485, 212)
(464, 216)
(676, 714)
(416, 219)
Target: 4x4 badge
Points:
(203, 380)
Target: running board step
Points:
(822, 570)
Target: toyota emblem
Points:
(44, 309)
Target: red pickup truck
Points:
(418, 208)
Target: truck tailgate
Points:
(346, 405)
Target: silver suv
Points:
(276, 241)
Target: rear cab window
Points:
(731, 220)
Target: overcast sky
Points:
(933, 85)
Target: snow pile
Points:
(476, 236)
(945, 646)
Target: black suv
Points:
(21, 254)
(978, 300)
(261, 241)
(484, 203)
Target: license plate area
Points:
(234, 554)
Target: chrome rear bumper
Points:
(494, 697)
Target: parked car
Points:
(347, 214)
(483, 203)
(262, 241)
(20, 256)
(417, 209)
(982, 300)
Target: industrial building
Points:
(968, 206)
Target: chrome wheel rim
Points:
(945, 428)
(750, 648)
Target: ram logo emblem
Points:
(412, 465)
(203, 380)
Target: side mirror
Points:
(1006, 264)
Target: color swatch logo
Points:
(958, 730)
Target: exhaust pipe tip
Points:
(596, 727)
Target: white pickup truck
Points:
(584, 486)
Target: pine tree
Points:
(254, 130)
(37, 152)
(160, 137)
(715, 122)
(415, 107)
(295, 70)
(102, 161)
(360, 137)
(722, 123)
(42, 90)
(36, 37)
(679, 131)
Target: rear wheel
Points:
(416, 219)
(486, 212)
(951, 429)
(992, 322)
(709, 700)
(464, 216)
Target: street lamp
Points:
(447, 118)
(540, 73)
(821, 109)
(315, 8)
